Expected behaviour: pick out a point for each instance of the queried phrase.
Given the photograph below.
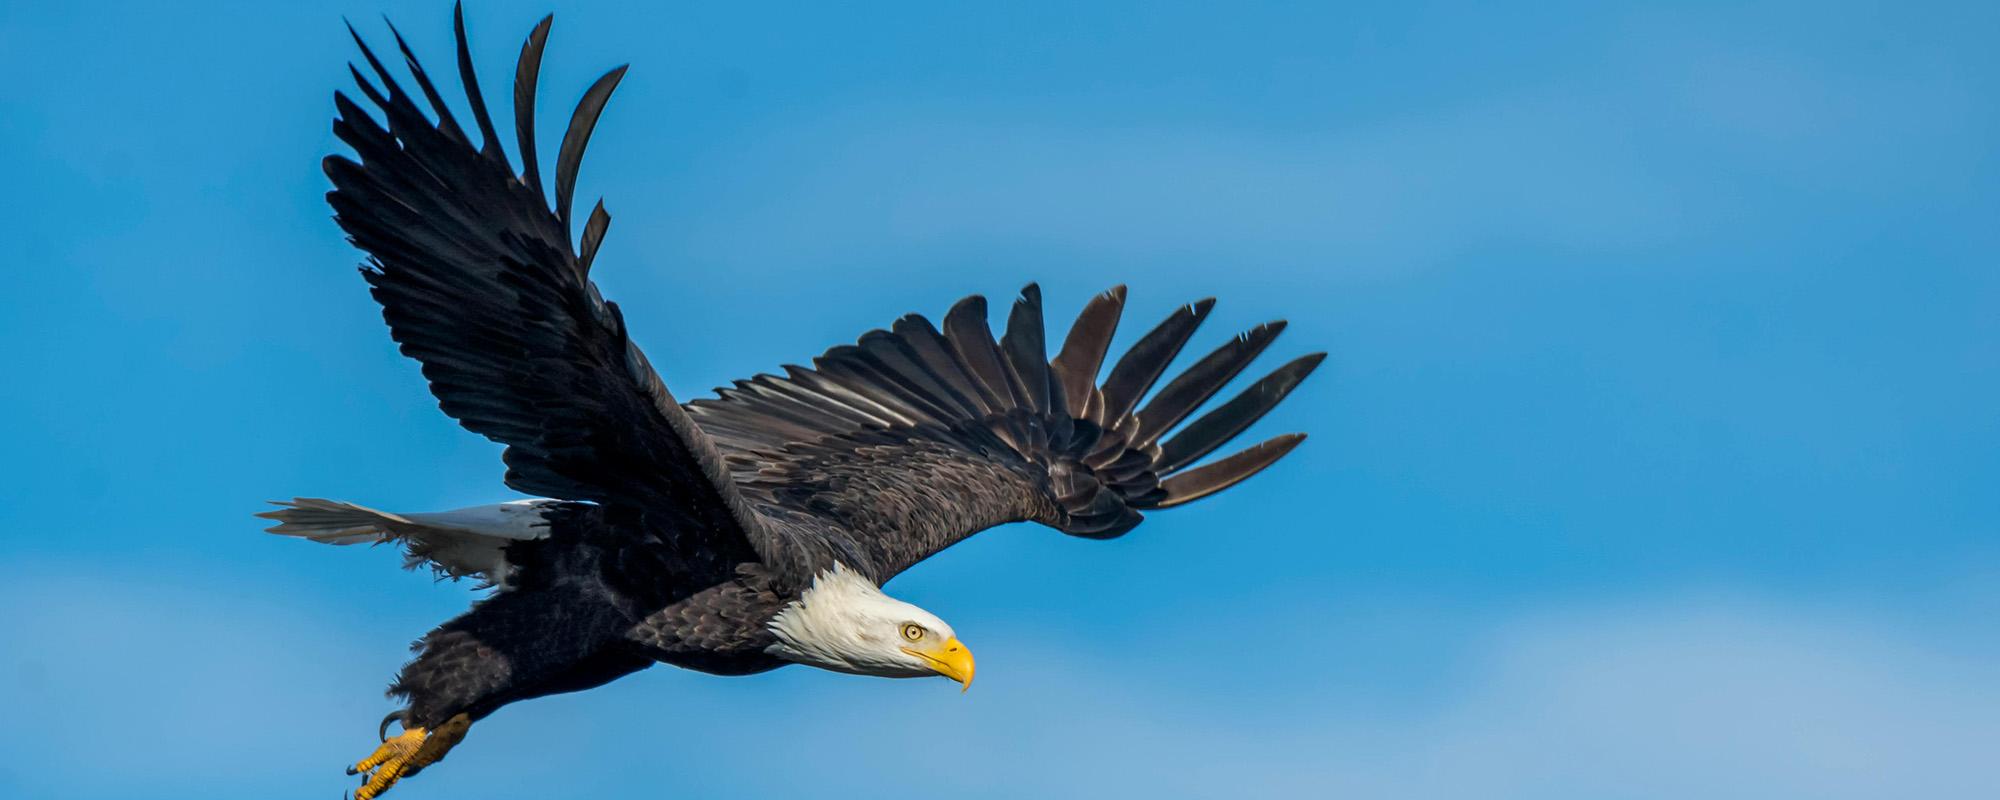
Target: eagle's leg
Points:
(406, 754)
(510, 647)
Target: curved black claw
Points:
(382, 731)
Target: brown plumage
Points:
(681, 530)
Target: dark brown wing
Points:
(478, 281)
(893, 448)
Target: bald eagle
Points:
(739, 533)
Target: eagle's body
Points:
(736, 534)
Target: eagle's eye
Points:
(912, 631)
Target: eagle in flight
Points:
(729, 535)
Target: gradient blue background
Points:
(1656, 456)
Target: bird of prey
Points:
(734, 534)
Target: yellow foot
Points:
(406, 754)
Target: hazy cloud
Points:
(120, 687)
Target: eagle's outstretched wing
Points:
(891, 449)
(478, 281)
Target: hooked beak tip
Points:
(952, 660)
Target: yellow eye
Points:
(912, 631)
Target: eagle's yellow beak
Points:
(950, 659)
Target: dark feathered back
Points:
(1099, 452)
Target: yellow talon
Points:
(406, 754)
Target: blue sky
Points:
(1654, 456)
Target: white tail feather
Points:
(466, 541)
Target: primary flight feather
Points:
(735, 534)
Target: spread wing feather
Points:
(478, 281)
(914, 438)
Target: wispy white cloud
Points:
(1709, 699)
(138, 684)
(1667, 699)
(117, 683)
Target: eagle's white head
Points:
(846, 624)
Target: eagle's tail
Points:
(467, 541)
(331, 521)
